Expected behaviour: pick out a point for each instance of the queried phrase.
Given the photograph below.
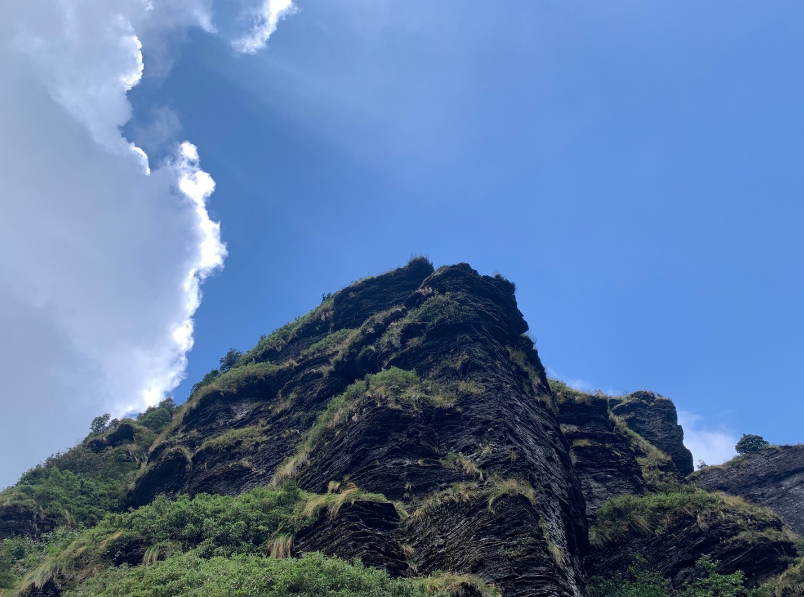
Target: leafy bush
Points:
(641, 582)
(250, 576)
(713, 584)
(156, 418)
(79, 487)
(750, 443)
(638, 583)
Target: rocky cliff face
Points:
(603, 455)
(654, 417)
(773, 477)
(460, 426)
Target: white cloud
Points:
(266, 19)
(101, 254)
(712, 445)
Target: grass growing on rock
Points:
(491, 491)
(393, 388)
(657, 513)
(236, 379)
(457, 461)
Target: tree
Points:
(99, 424)
(750, 443)
(230, 360)
(711, 583)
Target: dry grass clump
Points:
(455, 584)
(657, 513)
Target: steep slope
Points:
(81, 486)
(772, 477)
(654, 417)
(671, 530)
(603, 454)
(419, 385)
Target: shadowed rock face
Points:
(773, 477)
(759, 547)
(462, 335)
(22, 521)
(654, 418)
(369, 531)
(604, 458)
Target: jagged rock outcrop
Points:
(655, 418)
(477, 410)
(604, 457)
(772, 477)
(17, 520)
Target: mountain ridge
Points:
(407, 422)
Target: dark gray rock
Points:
(772, 477)
(655, 418)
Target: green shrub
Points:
(156, 418)
(750, 443)
(641, 582)
(312, 575)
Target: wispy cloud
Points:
(580, 384)
(266, 20)
(713, 444)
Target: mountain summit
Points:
(407, 422)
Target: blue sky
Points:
(635, 168)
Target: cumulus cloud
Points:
(102, 255)
(712, 445)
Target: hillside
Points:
(400, 439)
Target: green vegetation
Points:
(656, 465)
(791, 582)
(751, 443)
(656, 513)
(330, 341)
(440, 309)
(492, 490)
(229, 360)
(235, 379)
(457, 461)
(208, 545)
(393, 387)
(157, 418)
(312, 575)
(253, 523)
(564, 393)
(79, 487)
(282, 337)
(641, 582)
